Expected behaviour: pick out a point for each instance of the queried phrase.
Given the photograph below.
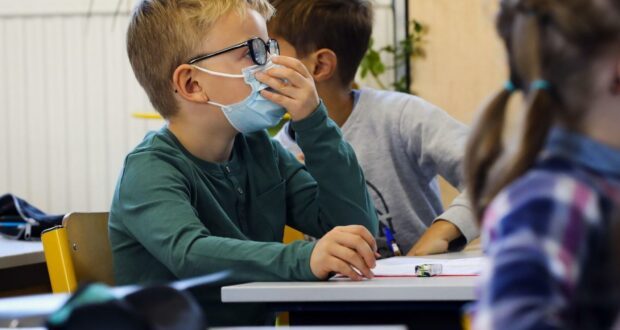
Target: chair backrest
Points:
(90, 246)
(78, 251)
(291, 235)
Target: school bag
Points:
(20, 220)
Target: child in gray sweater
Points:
(402, 142)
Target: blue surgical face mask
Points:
(255, 113)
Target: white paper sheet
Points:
(405, 266)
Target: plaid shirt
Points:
(543, 232)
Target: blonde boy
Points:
(210, 191)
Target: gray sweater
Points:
(402, 144)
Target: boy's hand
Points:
(436, 239)
(293, 85)
(343, 248)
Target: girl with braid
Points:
(547, 200)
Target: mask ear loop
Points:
(220, 74)
(214, 73)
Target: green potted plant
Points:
(404, 51)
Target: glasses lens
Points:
(259, 50)
(274, 47)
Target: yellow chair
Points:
(291, 235)
(78, 251)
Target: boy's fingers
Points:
(277, 84)
(343, 268)
(282, 87)
(356, 243)
(352, 258)
(363, 232)
(292, 76)
(280, 99)
(291, 63)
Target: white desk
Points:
(20, 253)
(420, 303)
(457, 288)
(22, 268)
(377, 289)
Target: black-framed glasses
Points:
(259, 50)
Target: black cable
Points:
(385, 206)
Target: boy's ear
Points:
(186, 86)
(325, 64)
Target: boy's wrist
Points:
(303, 114)
(306, 261)
(318, 115)
(463, 219)
(446, 229)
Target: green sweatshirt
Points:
(176, 216)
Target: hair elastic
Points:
(509, 86)
(540, 84)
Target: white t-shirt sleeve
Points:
(287, 141)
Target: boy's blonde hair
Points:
(164, 34)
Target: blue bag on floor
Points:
(20, 220)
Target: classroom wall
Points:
(67, 94)
(465, 60)
(66, 98)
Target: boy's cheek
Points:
(229, 91)
(288, 52)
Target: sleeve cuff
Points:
(463, 218)
(312, 121)
(304, 258)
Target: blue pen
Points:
(12, 224)
(391, 242)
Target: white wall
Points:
(66, 98)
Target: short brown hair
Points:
(344, 26)
(163, 34)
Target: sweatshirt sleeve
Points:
(436, 142)
(330, 189)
